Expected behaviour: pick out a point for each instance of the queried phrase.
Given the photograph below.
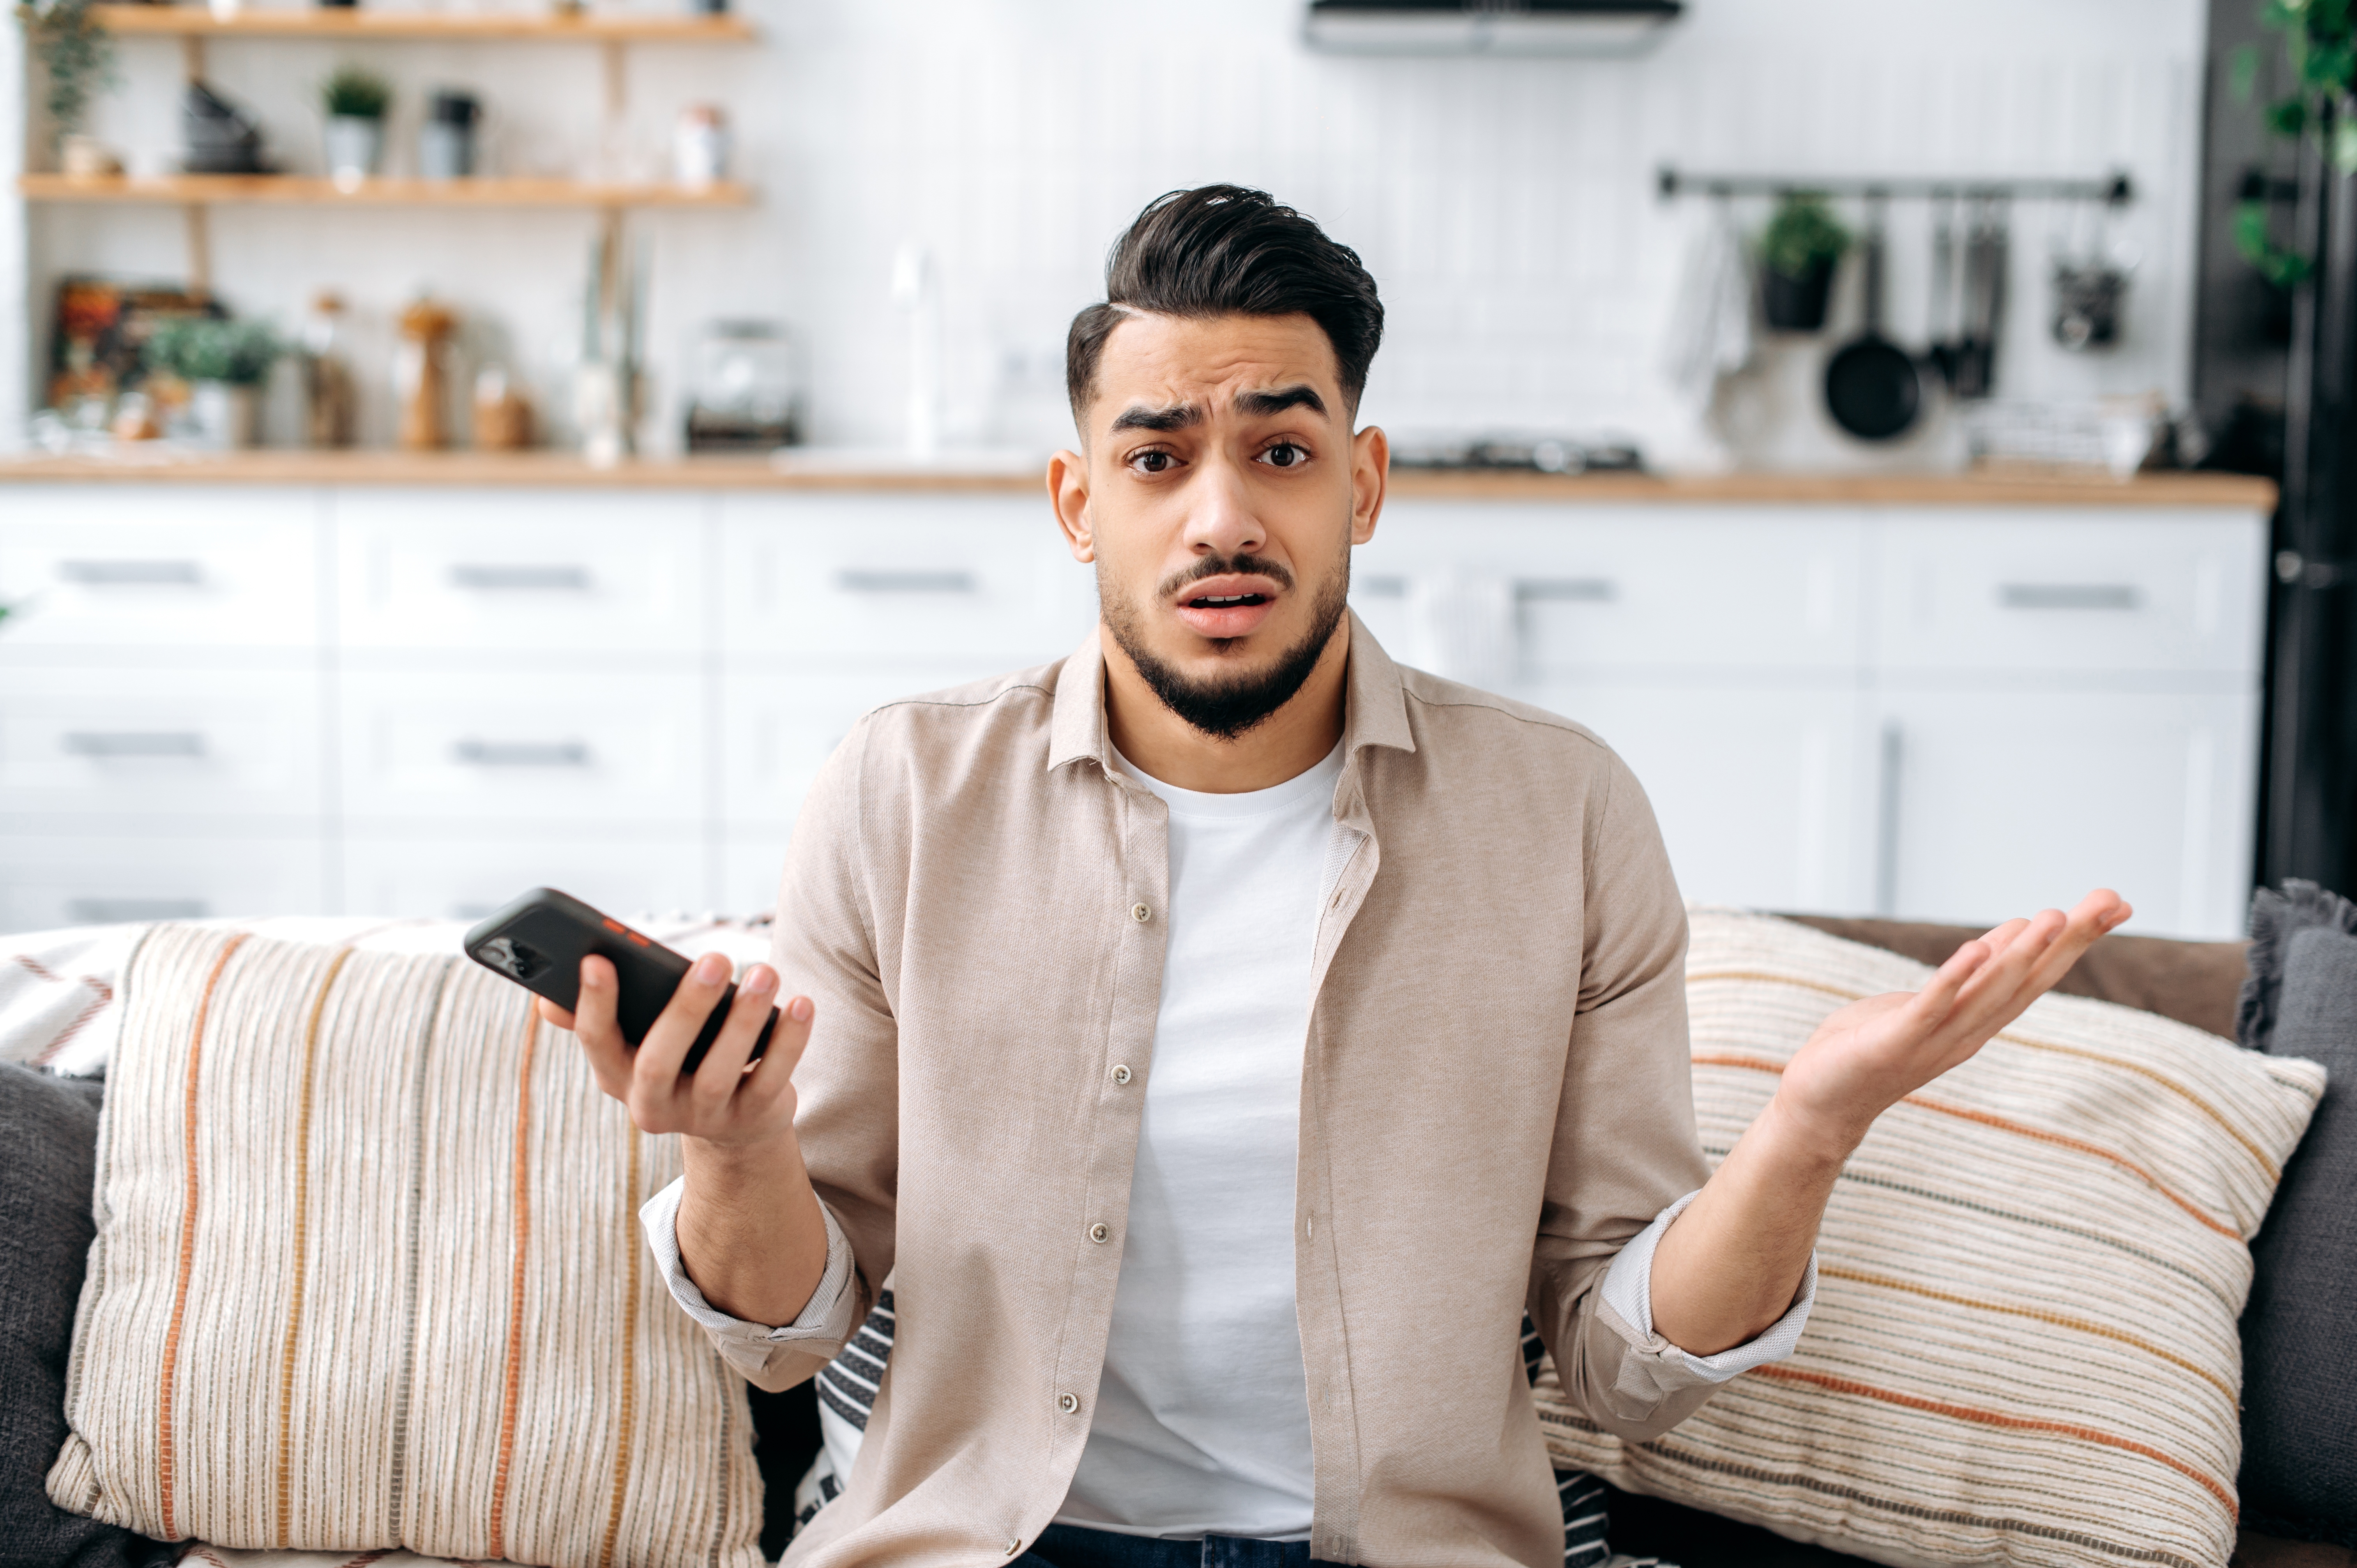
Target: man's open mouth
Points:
(1225, 601)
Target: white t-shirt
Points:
(1201, 1421)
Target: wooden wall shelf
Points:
(287, 189)
(357, 22)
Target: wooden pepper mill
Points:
(421, 374)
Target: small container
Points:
(700, 146)
(446, 142)
(354, 143)
(744, 392)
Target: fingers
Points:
(719, 1076)
(682, 1019)
(551, 1013)
(592, 1019)
(2099, 914)
(776, 1068)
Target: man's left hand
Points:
(1874, 1052)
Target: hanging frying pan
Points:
(1872, 387)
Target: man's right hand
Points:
(725, 1103)
(751, 1235)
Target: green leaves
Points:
(77, 56)
(356, 93)
(1803, 234)
(207, 348)
(2279, 264)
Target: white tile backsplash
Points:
(1505, 206)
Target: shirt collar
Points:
(1375, 707)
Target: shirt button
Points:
(1121, 1073)
(1068, 1404)
(1013, 1546)
(1098, 1231)
(1140, 913)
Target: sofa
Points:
(2199, 984)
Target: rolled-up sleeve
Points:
(1655, 1370)
(753, 1349)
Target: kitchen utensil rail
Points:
(2115, 187)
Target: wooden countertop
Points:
(1986, 487)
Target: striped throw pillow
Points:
(2023, 1350)
(369, 1276)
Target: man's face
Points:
(1219, 507)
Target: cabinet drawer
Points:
(58, 880)
(1655, 587)
(910, 580)
(2072, 591)
(530, 571)
(782, 725)
(622, 748)
(147, 566)
(161, 743)
(467, 877)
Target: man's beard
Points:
(1228, 705)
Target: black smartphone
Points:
(540, 940)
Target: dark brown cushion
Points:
(2193, 983)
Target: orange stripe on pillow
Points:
(2003, 1124)
(302, 1229)
(627, 1419)
(2079, 1325)
(1992, 1418)
(166, 1466)
(510, 1397)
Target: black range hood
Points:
(1488, 27)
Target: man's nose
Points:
(1220, 516)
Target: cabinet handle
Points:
(134, 743)
(132, 574)
(869, 580)
(568, 579)
(1380, 587)
(522, 753)
(2067, 595)
(1588, 590)
(1886, 819)
(117, 911)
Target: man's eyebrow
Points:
(1183, 416)
(1261, 404)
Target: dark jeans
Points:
(1069, 1546)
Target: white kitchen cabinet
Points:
(2063, 593)
(104, 571)
(421, 701)
(87, 743)
(1991, 804)
(866, 581)
(485, 749)
(1652, 587)
(86, 879)
(464, 875)
(525, 574)
(1758, 789)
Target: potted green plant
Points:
(77, 56)
(1798, 251)
(355, 101)
(224, 364)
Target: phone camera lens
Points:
(514, 957)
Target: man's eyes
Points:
(1279, 455)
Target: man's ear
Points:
(1067, 491)
(1371, 471)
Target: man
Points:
(1225, 1035)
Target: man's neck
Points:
(1287, 744)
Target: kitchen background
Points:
(1507, 204)
(1855, 675)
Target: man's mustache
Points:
(1221, 566)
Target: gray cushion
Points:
(49, 1133)
(2299, 1332)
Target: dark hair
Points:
(1226, 250)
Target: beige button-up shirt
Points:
(1494, 1101)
